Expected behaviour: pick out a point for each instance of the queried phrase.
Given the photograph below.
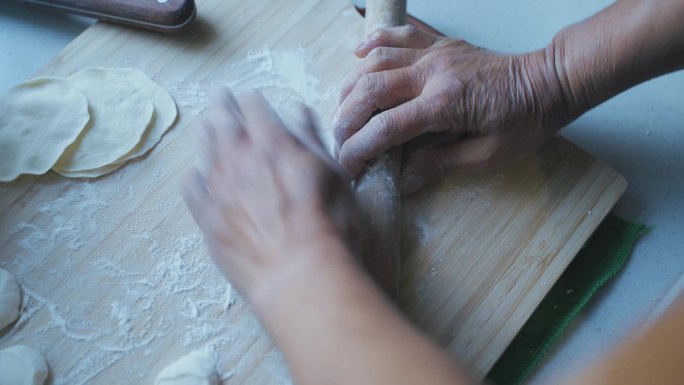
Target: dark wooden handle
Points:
(152, 14)
(378, 190)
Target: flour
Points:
(283, 77)
(100, 340)
(139, 316)
(156, 286)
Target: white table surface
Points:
(640, 133)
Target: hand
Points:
(494, 108)
(265, 201)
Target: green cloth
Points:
(603, 255)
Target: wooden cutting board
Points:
(115, 278)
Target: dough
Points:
(164, 116)
(22, 365)
(165, 112)
(94, 173)
(196, 368)
(38, 120)
(9, 298)
(119, 117)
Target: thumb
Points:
(470, 155)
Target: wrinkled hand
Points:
(265, 199)
(494, 108)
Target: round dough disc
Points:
(165, 114)
(38, 120)
(94, 173)
(120, 115)
(22, 365)
(10, 298)
(195, 368)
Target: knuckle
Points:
(379, 56)
(448, 105)
(408, 30)
(438, 164)
(384, 129)
(348, 84)
(371, 84)
(381, 35)
(442, 59)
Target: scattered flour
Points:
(156, 287)
(282, 76)
(143, 300)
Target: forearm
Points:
(652, 356)
(623, 45)
(335, 327)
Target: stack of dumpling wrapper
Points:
(85, 125)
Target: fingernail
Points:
(359, 45)
(411, 183)
(336, 116)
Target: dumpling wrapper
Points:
(119, 118)
(165, 111)
(39, 119)
(165, 114)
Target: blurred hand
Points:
(494, 108)
(266, 199)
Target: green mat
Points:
(604, 254)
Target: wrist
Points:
(315, 274)
(580, 78)
(625, 44)
(538, 92)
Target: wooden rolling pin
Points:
(378, 189)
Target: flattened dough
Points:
(164, 117)
(164, 110)
(94, 173)
(22, 365)
(119, 117)
(195, 368)
(10, 298)
(38, 120)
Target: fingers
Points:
(387, 129)
(401, 37)
(223, 98)
(264, 126)
(379, 59)
(205, 136)
(376, 91)
(224, 123)
(463, 156)
(197, 196)
(218, 131)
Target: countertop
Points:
(640, 133)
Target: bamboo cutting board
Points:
(116, 281)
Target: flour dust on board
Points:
(171, 295)
(284, 77)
